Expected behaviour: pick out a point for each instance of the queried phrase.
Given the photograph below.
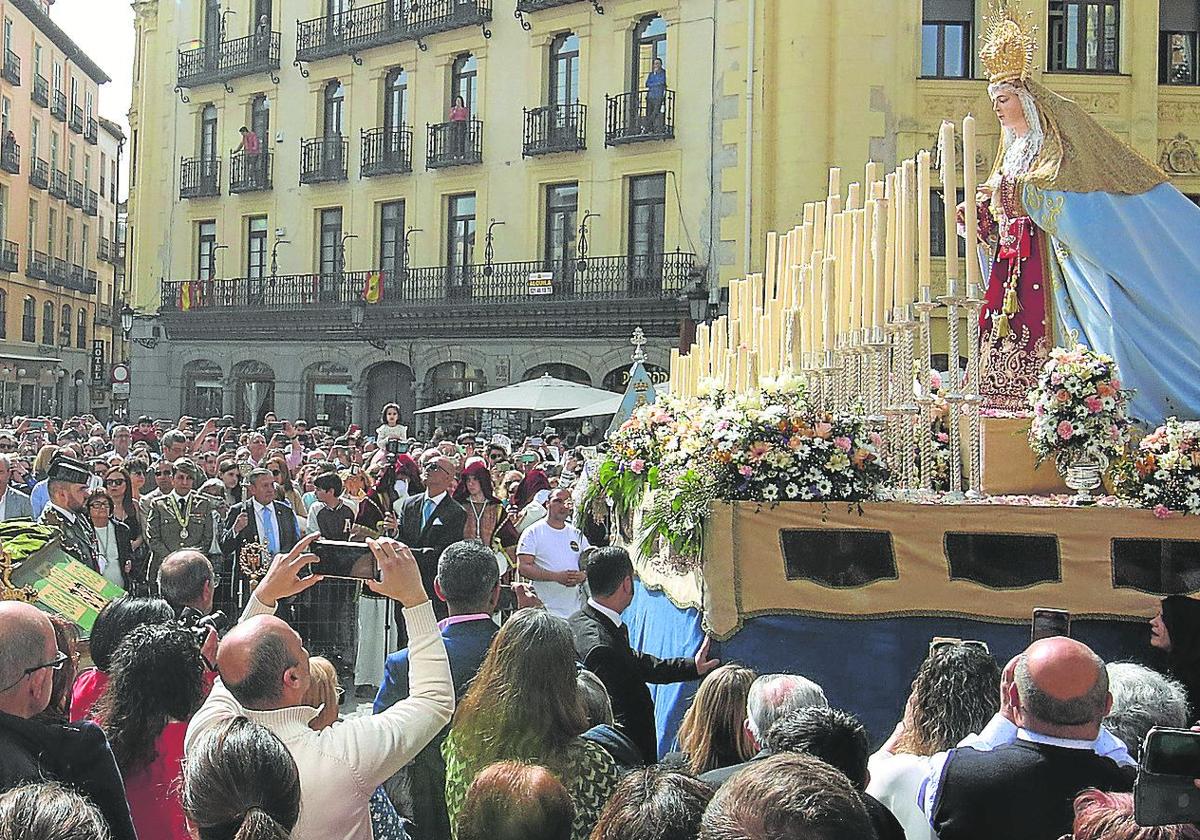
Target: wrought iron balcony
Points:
(104, 249)
(10, 156)
(386, 151)
(555, 128)
(12, 68)
(76, 123)
(58, 183)
(89, 281)
(457, 143)
(348, 31)
(213, 63)
(91, 131)
(10, 256)
(58, 106)
(323, 159)
(539, 5)
(599, 279)
(430, 17)
(75, 277)
(637, 117)
(41, 91)
(199, 177)
(250, 172)
(118, 253)
(39, 173)
(58, 271)
(75, 197)
(91, 203)
(37, 266)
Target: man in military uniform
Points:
(181, 519)
(67, 486)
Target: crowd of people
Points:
(510, 702)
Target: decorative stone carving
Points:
(1178, 155)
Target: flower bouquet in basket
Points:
(1080, 415)
(1164, 472)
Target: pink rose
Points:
(942, 437)
(1162, 511)
(1094, 405)
(637, 465)
(823, 430)
(1056, 378)
(1065, 430)
(842, 443)
(1115, 383)
(876, 439)
(746, 470)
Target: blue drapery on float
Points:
(1126, 278)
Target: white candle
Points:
(970, 212)
(950, 199)
(827, 312)
(923, 234)
(907, 238)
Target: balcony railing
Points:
(10, 256)
(637, 116)
(91, 203)
(12, 67)
(388, 22)
(555, 128)
(39, 173)
(653, 276)
(199, 177)
(386, 151)
(76, 119)
(37, 266)
(456, 143)
(58, 106)
(91, 131)
(118, 253)
(209, 64)
(58, 183)
(250, 172)
(104, 249)
(75, 277)
(10, 157)
(41, 91)
(75, 197)
(89, 281)
(59, 273)
(538, 5)
(323, 159)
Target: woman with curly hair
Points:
(713, 733)
(956, 692)
(523, 706)
(241, 783)
(156, 685)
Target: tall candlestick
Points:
(923, 235)
(835, 181)
(872, 175)
(879, 262)
(867, 277)
(970, 211)
(856, 270)
(854, 197)
(821, 224)
(891, 246)
(908, 183)
(841, 311)
(772, 259)
(827, 312)
(950, 199)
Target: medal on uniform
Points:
(182, 517)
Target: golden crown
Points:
(1009, 43)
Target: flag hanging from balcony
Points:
(185, 295)
(373, 287)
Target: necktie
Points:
(269, 534)
(427, 511)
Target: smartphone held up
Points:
(340, 559)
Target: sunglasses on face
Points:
(113, 482)
(103, 505)
(940, 642)
(163, 473)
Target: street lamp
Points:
(489, 251)
(697, 300)
(127, 314)
(581, 250)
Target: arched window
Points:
(395, 100)
(260, 117)
(335, 103)
(81, 328)
(464, 81)
(203, 390)
(47, 323)
(649, 43)
(564, 69)
(208, 133)
(559, 370)
(29, 320)
(64, 324)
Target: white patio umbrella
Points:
(544, 394)
(601, 408)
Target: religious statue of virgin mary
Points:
(1089, 240)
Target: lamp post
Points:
(489, 250)
(581, 250)
(404, 252)
(275, 255)
(698, 311)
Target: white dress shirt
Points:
(611, 615)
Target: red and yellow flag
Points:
(373, 287)
(185, 295)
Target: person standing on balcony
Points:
(251, 147)
(458, 126)
(656, 96)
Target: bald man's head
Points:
(263, 663)
(26, 641)
(1061, 682)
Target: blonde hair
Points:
(41, 463)
(713, 732)
(322, 691)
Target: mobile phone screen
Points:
(1048, 622)
(344, 560)
(1172, 752)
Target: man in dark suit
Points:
(432, 520)
(602, 645)
(259, 519)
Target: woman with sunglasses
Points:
(119, 487)
(285, 490)
(114, 551)
(136, 469)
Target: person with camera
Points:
(265, 674)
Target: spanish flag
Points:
(373, 287)
(185, 295)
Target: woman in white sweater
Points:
(340, 766)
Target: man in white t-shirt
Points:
(550, 554)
